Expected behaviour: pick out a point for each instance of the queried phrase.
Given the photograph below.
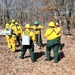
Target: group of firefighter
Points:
(32, 35)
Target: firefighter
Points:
(29, 33)
(37, 31)
(8, 40)
(58, 28)
(59, 35)
(18, 31)
(13, 36)
(13, 43)
(51, 35)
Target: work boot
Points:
(21, 57)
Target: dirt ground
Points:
(10, 64)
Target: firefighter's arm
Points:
(58, 31)
(32, 36)
(41, 27)
(46, 34)
(33, 27)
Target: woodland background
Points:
(28, 11)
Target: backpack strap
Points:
(52, 32)
(55, 32)
(12, 25)
(25, 32)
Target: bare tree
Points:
(27, 11)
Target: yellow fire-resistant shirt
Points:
(7, 36)
(37, 29)
(51, 33)
(17, 29)
(11, 25)
(29, 33)
(59, 30)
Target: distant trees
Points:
(27, 11)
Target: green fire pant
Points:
(60, 46)
(38, 39)
(55, 45)
(18, 39)
(31, 50)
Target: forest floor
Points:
(11, 64)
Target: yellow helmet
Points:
(7, 24)
(51, 24)
(27, 26)
(16, 23)
(13, 21)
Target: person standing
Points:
(8, 40)
(51, 35)
(13, 36)
(13, 43)
(31, 35)
(17, 32)
(59, 35)
(37, 30)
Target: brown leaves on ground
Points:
(10, 64)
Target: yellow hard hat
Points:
(16, 23)
(27, 26)
(7, 25)
(13, 21)
(51, 24)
